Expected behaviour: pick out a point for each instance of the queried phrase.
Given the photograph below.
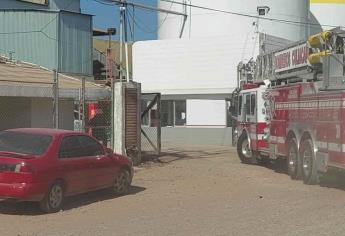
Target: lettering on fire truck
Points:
(291, 58)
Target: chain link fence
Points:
(98, 120)
(32, 97)
(150, 124)
(90, 113)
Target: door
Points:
(101, 165)
(74, 166)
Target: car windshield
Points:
(24, 143)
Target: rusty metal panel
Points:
(132, 114)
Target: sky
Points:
(106, 16)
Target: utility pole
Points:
(122, 11)
(123, 40)
(126, 50)
(123, 29)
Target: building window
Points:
(173, 113)
(145, 119)
(167, 113)
(180, 113)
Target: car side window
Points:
(70, 147)
(90, 146)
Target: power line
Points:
(166, 17)
(130, 26)
(248, 15)
(283, 21)
(147, 30)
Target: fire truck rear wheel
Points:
(243, 150)
(309, 170)
(294, 164)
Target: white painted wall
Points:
(206, 113)
(196, 66)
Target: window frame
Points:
(240, 104)
(247, 103)
(252, 104)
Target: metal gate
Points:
(151, 124)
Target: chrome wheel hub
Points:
(292, 160)
(307, 162)
(121, 182)
(55, 196)
(246, 149)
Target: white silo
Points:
(329, 13)
(283, 19)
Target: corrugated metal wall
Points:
(70, 5)
(29, 36)
(50, 39)
(75, 43)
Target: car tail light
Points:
(22, 168)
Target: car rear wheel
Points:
(293, 160)
(121, 183)
(309, 170)
(53, 200)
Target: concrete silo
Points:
(329, 13)
(281, 20)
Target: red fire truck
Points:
(290, 105)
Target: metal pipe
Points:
(83, 103)
(56, 100)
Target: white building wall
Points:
(183, 66)
(209, 113)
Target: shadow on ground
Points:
(9, 207)
(171, 155)
(332, 179)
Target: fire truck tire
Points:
(243, 150)
(309, 170)
(293, 160)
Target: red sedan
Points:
(46, 165)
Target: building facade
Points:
(194, 61)
(47, 35)
(68, 5)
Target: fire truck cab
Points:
(290, 105)
(250, 124)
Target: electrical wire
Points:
(283, 21)
(135, 20)
(130, 26)
(166, 16)
(248, 15)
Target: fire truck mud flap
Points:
(321, 161)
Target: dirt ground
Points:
(195, 191)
